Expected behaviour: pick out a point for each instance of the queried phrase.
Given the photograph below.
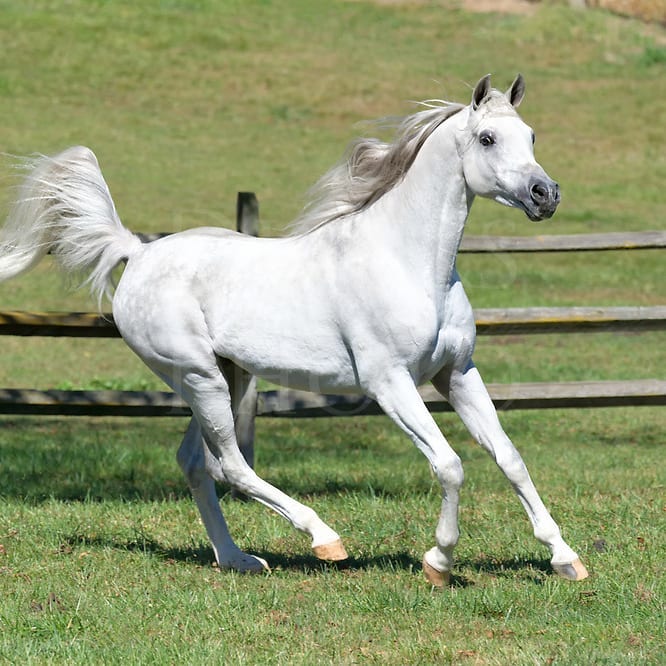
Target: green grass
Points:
(104, 559)
(102, 555)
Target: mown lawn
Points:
(102, 555)
(104, 559)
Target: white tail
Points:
(65, 206)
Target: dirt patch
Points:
(648, 10)
(481, 6)
(500, 6)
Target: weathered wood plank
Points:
(287, 403)
(512, 321)
(637, 240)
(489, 321)
(645, 392)
(245, 405)
(560, 395)
(629, 240)
(58, 324)
(91, 403)
(247, 214)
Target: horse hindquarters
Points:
(178, 349)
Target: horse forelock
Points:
(497, 104)
(371, 168)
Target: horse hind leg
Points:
(208, 394)
(201, 470)
(192, 460)
(188, 364)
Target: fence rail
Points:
(629, 240)
(622, 240)
(289, 403)
(489, 321)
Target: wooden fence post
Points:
(247, 222)
(247, 213)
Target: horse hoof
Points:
(435, 577)
(331, 552)
(572, 570)
(250, 564)
(260, 566)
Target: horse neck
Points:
(425, 214)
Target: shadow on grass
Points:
(204, 556)
(85, 482)
(67, 485)
(68, 460)
(533, 569)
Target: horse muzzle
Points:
(544, 197)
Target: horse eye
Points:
(533, 138)
(486, 139)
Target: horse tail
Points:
(65, 207)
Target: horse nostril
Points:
(539, 192)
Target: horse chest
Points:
(423, 343)
(454, 347)
(451, 342)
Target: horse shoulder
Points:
(457, 332)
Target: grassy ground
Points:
(102, 557)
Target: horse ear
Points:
(481, 91)
(516, 92)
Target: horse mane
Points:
(371, 168)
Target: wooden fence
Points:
(290, 403)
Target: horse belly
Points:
(318, 365)
(284, 337)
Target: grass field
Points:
(102, 556)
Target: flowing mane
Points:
(371, 168)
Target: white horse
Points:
(363, 298)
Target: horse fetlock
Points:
(437, 568)
(306, 520)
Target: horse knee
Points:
(449, 471)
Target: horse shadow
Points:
(535, 569)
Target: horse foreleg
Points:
(192, 460)
(401, 401)
(469, 397)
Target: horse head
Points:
(497, 150)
